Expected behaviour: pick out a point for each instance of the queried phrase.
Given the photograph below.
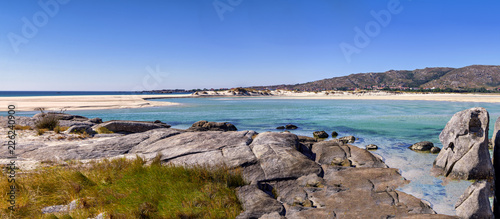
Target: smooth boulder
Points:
(465, 152)
(422, 146)
(125, 126)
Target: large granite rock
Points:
(475, 203)
(212, 126)
(279, 157)
(124, 126)
(496, 162)
(256, 203)
(347, 192)
(465, 146)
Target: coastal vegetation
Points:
(123, 188)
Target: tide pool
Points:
(391, 124)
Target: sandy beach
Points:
(90, 102)
(96, 102)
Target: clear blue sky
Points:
(107, 45)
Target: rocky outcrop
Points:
(320, 134)
(124, 126)
(291, 126)
(336, 153)
(341, 181)
(465, 146)
(279, 157)
(212, 126)
(475, 203)
(257, 203)
(422, 146)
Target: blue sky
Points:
(165, 44)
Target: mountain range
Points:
(474, 76)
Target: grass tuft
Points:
(22, 127)
(41, 131)
(104, 130)
(47, 121)
(126, 189)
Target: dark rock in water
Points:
(80, 129)
(490, 144)
(422, 146)
(465, 152)
(435, 150)
(371, 147)
(124, 126)
(474, 203)
(348, 139)
(320, 134)
(334, 134)
(280, 127)
(212, 126)
(157, 121)
(290, 126)
(95, 120)
(256, 203)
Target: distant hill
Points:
(474, 76)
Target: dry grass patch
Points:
(127, 189)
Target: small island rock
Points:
(320, 134)
(334, 134)
(371, 147)
(422, 146)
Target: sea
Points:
(392, 125)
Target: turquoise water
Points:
(392, 125)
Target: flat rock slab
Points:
(279, 157)
(122, 126)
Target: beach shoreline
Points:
(100, 102)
